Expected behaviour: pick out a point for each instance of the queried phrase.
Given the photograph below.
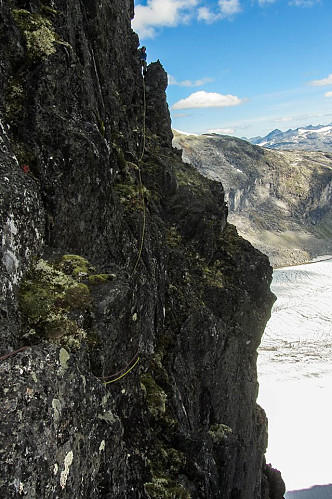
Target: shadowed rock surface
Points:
(279, 200)
(117, 271)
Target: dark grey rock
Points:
(138, 265)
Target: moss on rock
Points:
(162, 488)
(74, 265)
(155, 396)
(219, 432)
(14, 100)
(55, 304)
(38, 32)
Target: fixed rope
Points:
(140, 183)
(4, 357)
(122, 375)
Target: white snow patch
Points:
(187, 133)
(295, 374)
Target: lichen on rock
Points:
(55, 305)
(38, 32)
(131, 310)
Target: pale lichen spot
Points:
(64, 357)
(102, 446)
(65, 473)
(56, 404)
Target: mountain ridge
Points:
(308, 138)
(279, 200)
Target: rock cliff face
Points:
(131, 311)
(279, 200)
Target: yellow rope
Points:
(141, 183)
(122, 375)
(144, 219)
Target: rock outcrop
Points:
(131, 311)
(279, 200)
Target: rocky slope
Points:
(131, 311)
(310, 138)
(279, 200)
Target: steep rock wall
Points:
(117, 270)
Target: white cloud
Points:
(188, 83)
(261, 3)
(283, 120)
(229, 7)
(328, 94)
(324, 81)
(180, 115)
(225, 8)
(304, 3)
(203, 99)
(205, 14)
(159, 13)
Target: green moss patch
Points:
(100, 278)
(56, 301)
(155, 396)
(173, 238)
(189, 177)
(162, 488)
(219, 432)
(74, 265)
(54, 305)
(14, 100)
(166, 462)
(38, 32)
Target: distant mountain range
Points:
(310, 138)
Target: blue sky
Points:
(241, 67)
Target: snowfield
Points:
(295, 374)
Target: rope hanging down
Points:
(120, 374)
(10, 354)
(140, 181)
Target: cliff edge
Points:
(131, 311)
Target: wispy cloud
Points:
(262, 3)
(188, 83)
(180, 115)
(283, 120)
(203, 99)
(328, 94)
(322, 82)
(304, 3)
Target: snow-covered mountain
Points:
(310, 138)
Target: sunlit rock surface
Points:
(279, 200)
